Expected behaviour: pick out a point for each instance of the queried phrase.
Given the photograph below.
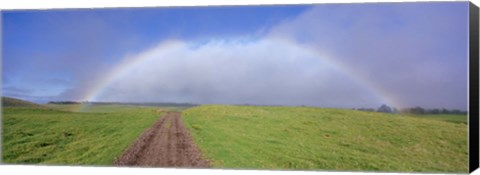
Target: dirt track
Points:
(166, 144)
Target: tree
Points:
(435, 111)
(445, 111)
(384, 108)
(456, 111)
(417, 110)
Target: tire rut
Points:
(166, 144)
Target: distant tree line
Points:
(420, 110)
(63, 102)
(413, 110)
(126, 103)
(145, 104)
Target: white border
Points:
(78, 170)
(56, 4)
(69, 4)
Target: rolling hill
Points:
(13, 102)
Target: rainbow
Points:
(128, 65)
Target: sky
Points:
(325, 55)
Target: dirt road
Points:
(166, 144)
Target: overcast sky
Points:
(330, 55)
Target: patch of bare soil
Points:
(166, 144)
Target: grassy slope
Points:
(48, 136)
(445, 117)
(13, 102)
(329, 139)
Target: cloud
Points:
(416, 53)
(57, 54)
(25, 94)
(15, 90)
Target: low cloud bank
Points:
(265, 72)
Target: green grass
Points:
(49, 136)
(445, 117)
(326, 139)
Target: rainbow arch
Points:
(129, 64)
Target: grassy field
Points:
(241, 137)
(52, 136)
(445, 117)
(244, 137)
